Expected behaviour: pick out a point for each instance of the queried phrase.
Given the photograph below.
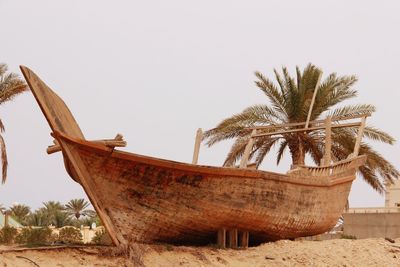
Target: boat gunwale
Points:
(216, 171)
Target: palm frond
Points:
(371, 178)
(271, 91)
(353, 110)
(262, 146)
(2, 128)
(280, 81)
(236, 151)
(281, 150)
(378, 135)
(236, 125)
(3, 70)
(4, 160)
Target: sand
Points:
(337, 252)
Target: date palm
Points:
(10, 86)
(77, 208)
(289, 101)
(52, 211)
(20, 213)
(2, 208)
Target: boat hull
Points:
(145, 199)
(154, 200)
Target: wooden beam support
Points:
(293, 124)
(53, 149)
(244, 242)
(199, 136)
(233, 238)
(313, 99)
(221, 238)
(353, 124)
(117, 142)
(247, 150)
(328, 141)
(359, 137)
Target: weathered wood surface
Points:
(61, 119)
(53, 107)
(147, 199)
(197, 142)
(313, 99)
(152, 200)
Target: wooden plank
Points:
(359, 137)
(244, 242)
(62, 121)
(328, 141)
(293, 124)
(108, 142)
(199, 136)
(53, 107)
(247, 150)
(344, 125)
(233, 238)
(313, 99)
(221, 238)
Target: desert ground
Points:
(336, 252)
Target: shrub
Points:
(70, 235)
(344, 236)
(7, 235)
(101, 238)
(35, 236)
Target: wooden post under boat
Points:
(146, 199)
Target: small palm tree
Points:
(77, 208)
(10, 86)
(20, 212)
(2, 208)
(289, 102)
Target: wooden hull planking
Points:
(153, 200)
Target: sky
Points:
(156, 71)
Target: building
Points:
(11, 221)
(378, 221)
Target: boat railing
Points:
(327, 166)
(348, 164)
(327, 125)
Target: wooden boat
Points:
(146, 199)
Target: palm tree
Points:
(10, 86)
(20, 213)
(38, 218)
(289, 101)
(77, 208)
(61, 219)
(52, 210)
(2, 208)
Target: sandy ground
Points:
(338, 252)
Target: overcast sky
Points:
(155, 71)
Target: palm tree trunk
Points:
(297, 151)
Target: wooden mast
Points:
(328, 141)
(247, 150)
(199, 136)
(313, 99)
(359, 137)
